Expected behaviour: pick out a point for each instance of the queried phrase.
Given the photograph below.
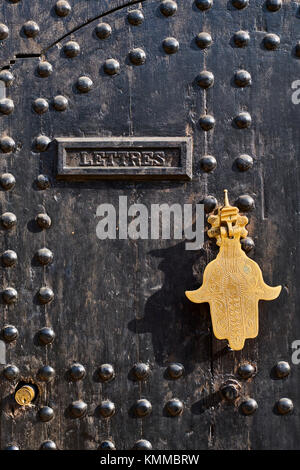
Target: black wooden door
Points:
(101, 329)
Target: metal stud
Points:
(10, 295)
(242, 78)
(208, 163)
(44, 256)
(141, 371)
(103, 30)
(107, 445)
(244, 162)
(8, 220)
(11, 372)
(203, 40)
(247, 244)
(46, 374)
(48, 445)
(143, 408)
(142, 444)
(9, 258)
(7, 181)
(271, 41)
(282, 369)
(6, 106)
(249, 406)
(168, 7)
(207, 122)
(84, 84)
(7, 144)
(137, 56)
(60, 103)
(76, 372)
(46, 414)
(240, 4)
(210, 203)
(297, 49)
(284, 406)
(204, 4)
(44, 69)
(46, 336)
(107, 409)
(174, 407)
(4, 31)
(9, 333)
(273, 5)
(175, 370)
(62, 8)
(7, 77)
(111, 66)
(46, 295)
(42, 143)
(71, 49)
(43, 182)
(12, 447)
(170, 45)
(135, 17)
(106, 372)
(43, 220)
(205, 79)
(40, 105)
(241, 38)
(243, 120)
(246, 371)
(31, 29)
(78, 409)
(245, 203)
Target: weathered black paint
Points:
(122, 302)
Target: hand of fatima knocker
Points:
(232, 283)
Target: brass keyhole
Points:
(25, 395)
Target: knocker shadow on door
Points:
(180, 330)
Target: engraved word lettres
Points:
(123, 158)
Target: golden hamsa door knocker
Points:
(232, 283)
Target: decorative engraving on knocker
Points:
(232, 283)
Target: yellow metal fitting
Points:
(232, 283)
(25, 395)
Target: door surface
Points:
(110, 99)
